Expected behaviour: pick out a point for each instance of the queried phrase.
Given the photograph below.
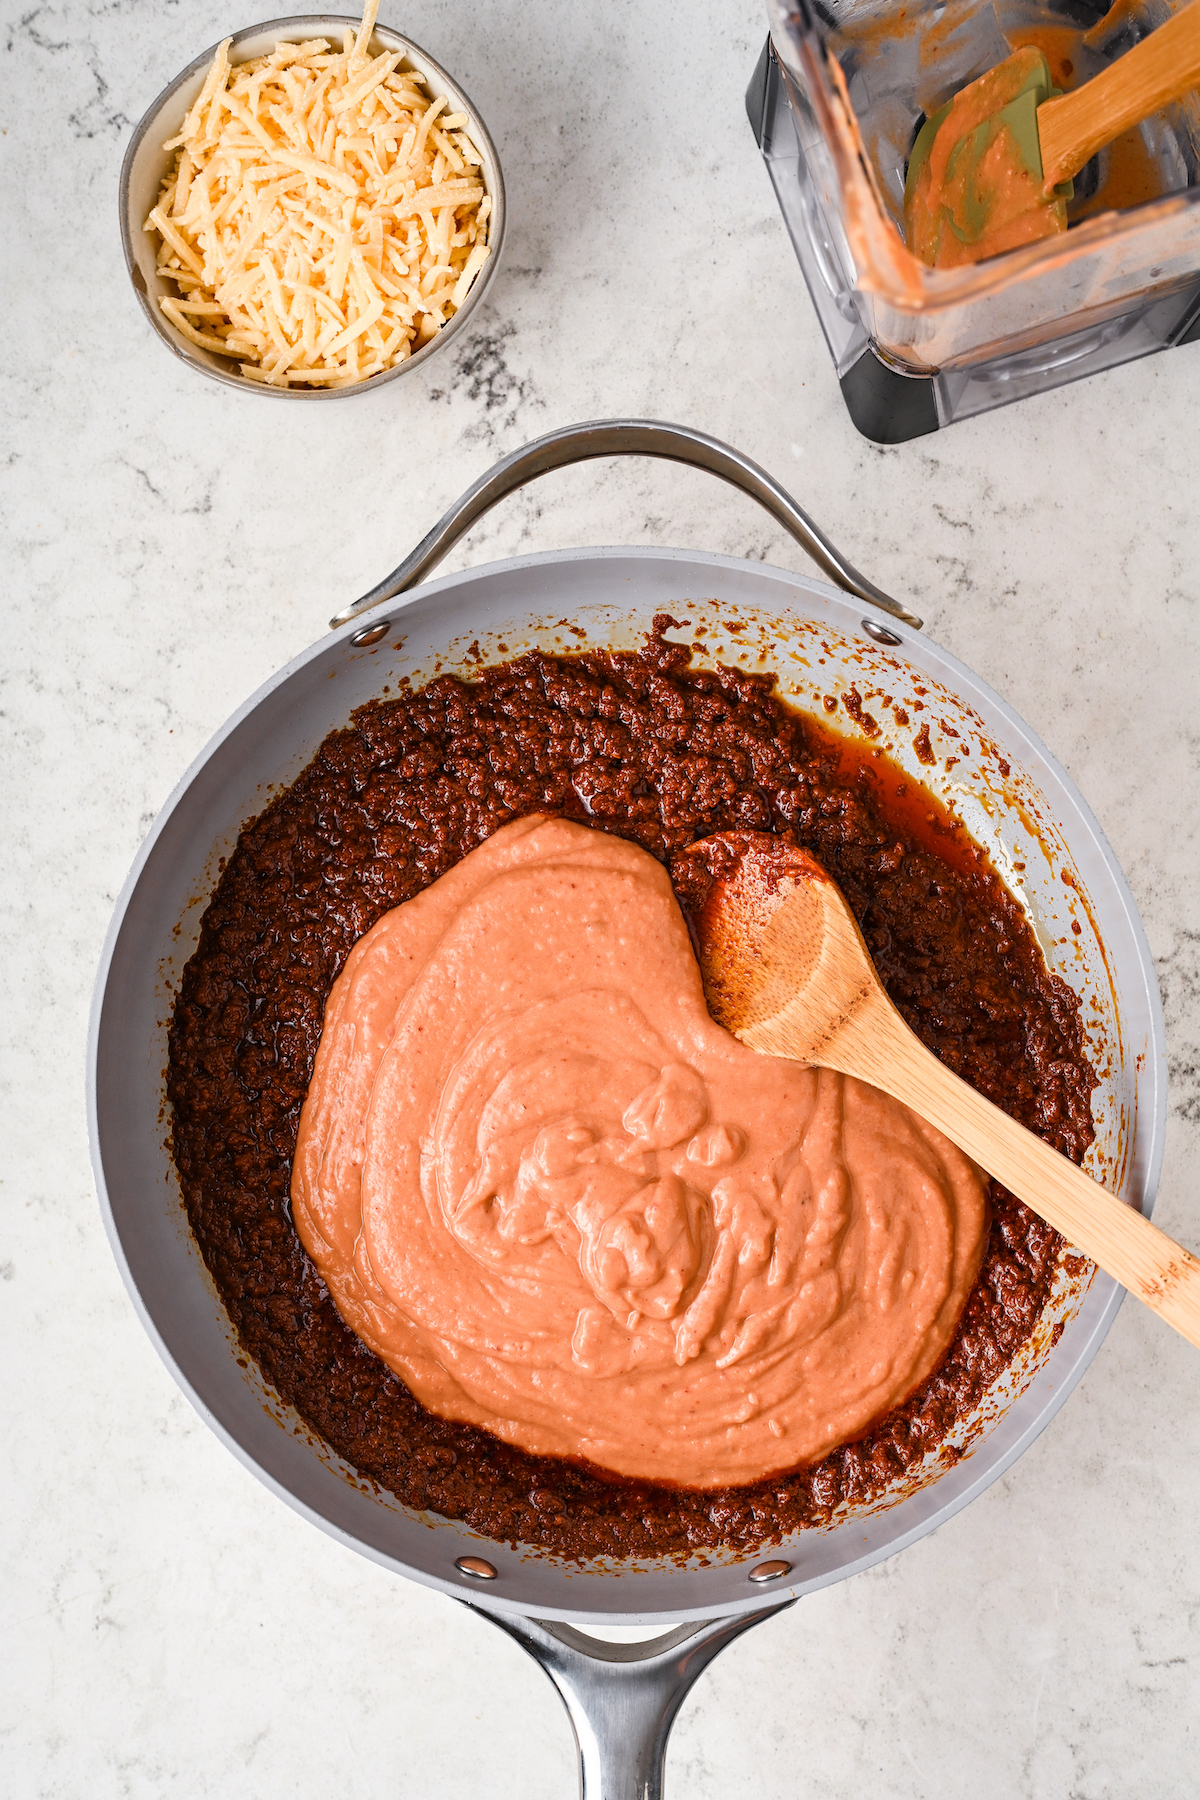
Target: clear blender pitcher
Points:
(836, 101)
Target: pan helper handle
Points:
(623, 437)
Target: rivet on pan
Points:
(374, 634)
(476, 1567)
(770, 1571)
(880, 633)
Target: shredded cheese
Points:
(322, 218)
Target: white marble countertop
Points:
(173, 1628)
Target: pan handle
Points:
(622, 437)
(622, 1698)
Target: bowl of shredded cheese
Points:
(311, 208)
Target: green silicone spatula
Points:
(993, 168)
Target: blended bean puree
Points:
(560, 1202)
(383, 835)
(977, 194)
(980, 191)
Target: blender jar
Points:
(837, 99)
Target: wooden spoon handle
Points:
(1126, 1245)
(1159, 69)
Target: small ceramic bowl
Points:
(146, 163)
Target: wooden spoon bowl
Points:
(786, 970)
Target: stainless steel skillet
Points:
(821, 643)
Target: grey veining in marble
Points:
(171, 1627)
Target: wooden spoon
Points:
(1162, 68)
(786, 970)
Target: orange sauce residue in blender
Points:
(975, 194)
(1059, 44)
(1129, 174)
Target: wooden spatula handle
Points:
(1155, 72)
(1139, 1255)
